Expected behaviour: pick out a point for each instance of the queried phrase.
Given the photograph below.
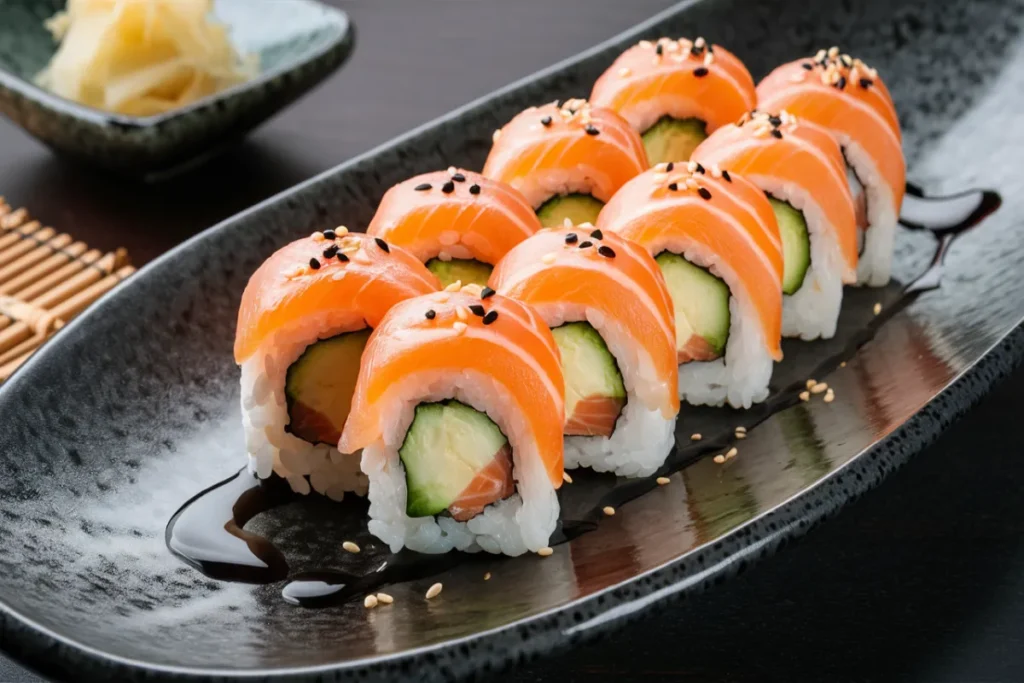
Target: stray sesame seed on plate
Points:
(878, 308)
(662, 481)
(384, 599)
(741, 428)
(733, 452)
(829, 396)
(805, 396)
(545, 551)
(843, 364)
(434, 591)
(566, 478)
(719, 459)
(487, 576)
(819, 387)
(696, 437)
(608, 511)
(740, 435)
(810, 383)
(370, 601)
(351, 547)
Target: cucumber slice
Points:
(701, 303)
(796, 244)
(578, 208)
(594, 391)
(447, 444)
(673, 139)
(319, 386)
(468, 271)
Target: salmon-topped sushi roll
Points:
(305, 318)
(611, 315)
(675, 93)
(848, 97)
(457, 222)
(458, 410)
(714, 236)
(800, 166)
(567, 160)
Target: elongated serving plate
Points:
(134, 408)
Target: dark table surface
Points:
(921, 580)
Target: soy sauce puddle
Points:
(207, 532)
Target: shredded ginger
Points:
(141, 57)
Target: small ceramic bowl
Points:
(300, 42)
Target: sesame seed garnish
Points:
(808, 66)
(805, 396)
(422, 187)
(434, 591)
(490, 317)
(585, 244)
(597, 235)
(833, 52)
(383, 245)
(878, 308)
(314, 264)
(487, 293)
(330, 234)
(865, 83)
(829, 396)
(696, 437)
(370, 601)
(452, 170)
(819, 387)
(496, 135)
(606, 251)
(459, 326)
(473, 289)
(318, 236)
(775, 120)
(487, 576)
(474, 189)
(777, 134)
(340, 231)
(725, 176)
(700, 71)
(796, 78)
(608, 510)
(545, 551)
(343, 258)
(331, 251)
(845, 59)
(384, 599)
(841, 82)
(351, 547)
(699, 169)
(704, 193)
(477, 310)
(624, 71)
(659, 50)
(646, 44)
(458, 177)
(691, 166)
(462, 313)
(548, 258)
(430, 314)
(592, 131)
(719, 459)
(662, 481)
(566, 478)
(571, 238)
(669, 166)
(448, 187)
(454, 287)
(673, 187)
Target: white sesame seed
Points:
(829, 396)
(661, 168)
(716, 172)
(878, 308)
(567, 223)
(695, 437)
(819, 55)
(833, 51)
(624, 71)
(810, 383)
(487, 576)
(797, 77)
(741, 428)
(662, 481)
(741, 435)
(732, 453)
(340, 231)
(719, 459)
(351, 547)
(699, 42)
(586, 224)
(434, 591)
(709, 58)
(384, 599)
(442, 297)
(608, 510)
(691, 167)
(805, 396)
(548, 258)
(819, 387)
(545, 551)
(843, 364)
(370, 601)
(646, 44)
(473, 289)
(566, 478)
(462, 313)
(459, 326)
(454, 287)
(496, 135)
(318, 236)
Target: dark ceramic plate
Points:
(300, 42)
(135, 406)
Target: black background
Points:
(921, 580)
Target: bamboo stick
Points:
(34, 256)
(33, 290)
(79, 302)
(7, 370)
(13, 219)
(105, 266)
(68, 255)
(18, 250)
(17, 236)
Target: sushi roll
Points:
(675, 93)
(849, 98)
(457, 222)
(611, 316)
(304, 320)
(714, 236)
(458, 411)
(800, 166)
(567, 160)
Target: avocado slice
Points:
(594, 392)
(701, 303)
(578, 208)
(319, 385)
(796, 244)
(448, 444)
(673, 139)
(468, 271)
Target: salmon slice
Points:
(594, 416)
(697, 348)
(312, 426)
(491, 484)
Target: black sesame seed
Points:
(704, 193)
(571, 238)
(700, 169)
(330, 234)
(866, 82)
(587, 243)
(459, 178)
(775, 120)
(382, 244)
(314, 264)
(597, 235)
(808, 66)
(490, 317)
(673, 186)
(605, 250)
(659, 50)
(696, 51)
(777, 134)
(431, 314)
(477, 309)
(725, 174)
(343, 258)
(669, 166)
(546, 121)
(448, 187)
(486, 293)
(700, 71)
(331, 251)
(841, 83)
(474, 189)
(592, 131)
(422, 187)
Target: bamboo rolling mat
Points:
(46, 279)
